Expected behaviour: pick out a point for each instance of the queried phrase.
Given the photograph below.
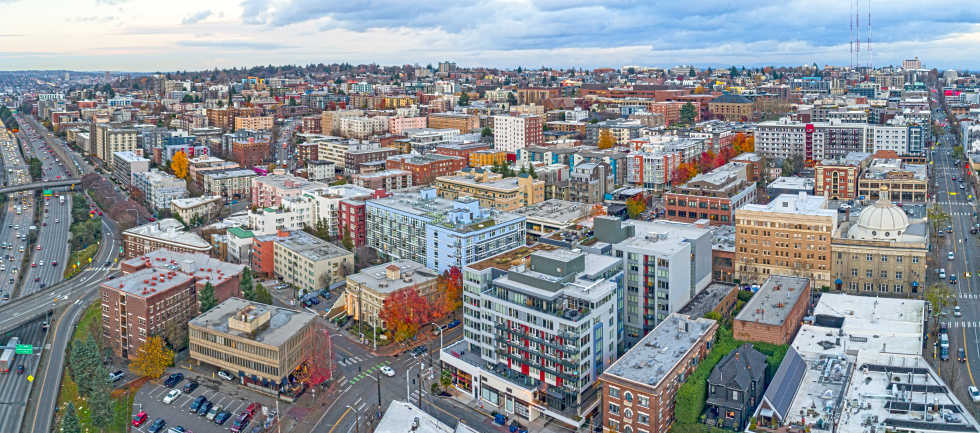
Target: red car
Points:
(139, 419)
(252, 408)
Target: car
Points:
(452, 324)
(241, 422)
(158, 424)
(39, 248)
(196, 404)
(173, 380)
(139, 419)
(40, 263)
(252, 408)
(178, 429)
(961, 354)
(962, 187)
(420, 350)
(116, 375)
(387, 371)
(952, 177)
(20, 369)
(213, 412)
(190, 386)
(33, 265)
(225, 375)
(54, 263)
(949, 255)
(221, 417)
(171, 396)
(974, 394)
(57, 220)
(205, 407)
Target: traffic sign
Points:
(24, 349)
(30, 378)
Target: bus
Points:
(7, 358)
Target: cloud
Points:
(110, 2)
(233, 45)
(197, 17)
(92, 19)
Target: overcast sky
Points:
(141, 35)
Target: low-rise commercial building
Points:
(126, 164)
(261, 344)
(775, 312)
(310, 263)
(166, 233)
(491, 189)
(204, 208)
(368, 290)
(714, 195)
(903, 181)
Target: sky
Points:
(148, 36)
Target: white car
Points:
(974, 394)
(387, 371)
(171, 396)
(957, 312)
(225, 375)
(950, 255)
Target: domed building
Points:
(880, 251)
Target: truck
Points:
(61, 199)
(7, 358)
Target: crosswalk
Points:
(346, 362)
(368, 372)
(969, 296)
(963, 324)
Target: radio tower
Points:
(870, 56)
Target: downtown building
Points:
(540, 326)
(439, 233)
(713, 196)
(511, 133)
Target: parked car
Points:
(225, 375)
(171, 396)
(205, 407)
(452, 324)
(221, 417)
(420, 350)
(173, 380)
(241, 422)
(190, 386)
(252, 408)
(196, 404)
(213, 412)
(116, 375)
(139, 419)
(157, 425)
(974, 394)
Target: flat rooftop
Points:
(401, 417)
(147, 282)
(797, 204)
(436, 210)
(283, 323)
(170, 230)
(190, 202)
(374, 276)
(665, 237)
(229, 173)
(555, 210)
(793, 183)
(772, 303)
(199, 265)
(383, 173)
(311, 247)
(658, 352)
(707, 300)
(507, 259)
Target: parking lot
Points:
(220, 392)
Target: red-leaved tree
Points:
(405, 311)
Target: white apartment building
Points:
(665, 264)
(127, 163)
(540, 325)
(310, 263)
(159, 188)
(517, 132)
(232, 184)
(109, 140)
(363, 127)
(267, 221)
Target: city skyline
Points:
(140, 36)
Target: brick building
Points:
(353, 221)
(426, 168)
(714, 195)
(638, 389)
(775, 312)
(388, 180)
(838, 178)
(311, 124)
(464, 123)
(354, 159)
(250, 151)
(166, 233)
(462, 150)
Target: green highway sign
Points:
(24, 349)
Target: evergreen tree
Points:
(206, 297)
(245, 284)
(70, 423)
(100, 408)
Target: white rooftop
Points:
(802, 203)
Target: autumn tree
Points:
(153, 358)
(206, 297)
(452, 293)
(606, 139)
(597, 209)
(635, 206)
(179, 164)
(749, 145)
(706, 162)
(405, 311)
(699, 90)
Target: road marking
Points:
(966, 352)
(339, 419)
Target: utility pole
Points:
(378, 373)
(421, 364)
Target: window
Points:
(628, 413)
(643, 400)
(870, 258)
(884, 258)
(734, 395)
(643, 418)
(613, 392)
(884, 274)
(628, 396)
(898, 275)
(613, 409)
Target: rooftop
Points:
(383, 173)
(311, 247)
(797, 204)
(504, 261)
(555, 210)
(461, 215)
(793, 183)
(286, 181)
(190, 202)
(658, 352)
(130, 156)
(229, 173)
(169, 230)
(881, 168)
(404, 417)
(723, 238)
(198, 265)
(393, 276)
(707, 300)
(772, 303)
(851, 159)
(663, 236)
(148, 281)
(283, 322)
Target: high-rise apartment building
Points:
(517, 132)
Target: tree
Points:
(405, 311)
(635, 206)
(699, 90)
(792, 165)
(939, 296)
(206, 297)
(85, 361)
(153, 358)
(606, 139)
(100, 408)
(464, 99)
(713, 315)
(245, 284)
(70, 422)
(688, 114)
(511, 99)
(453, 290)
(347, 241)
(706, 162)
(692, 73)
(939, 218)
(733, 72)
(597, 210)
(486, 132)
(179, 164)
(262, 295)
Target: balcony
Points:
(571, 377)
(516, 331)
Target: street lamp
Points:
(357, 420)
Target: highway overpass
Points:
(39, 185)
